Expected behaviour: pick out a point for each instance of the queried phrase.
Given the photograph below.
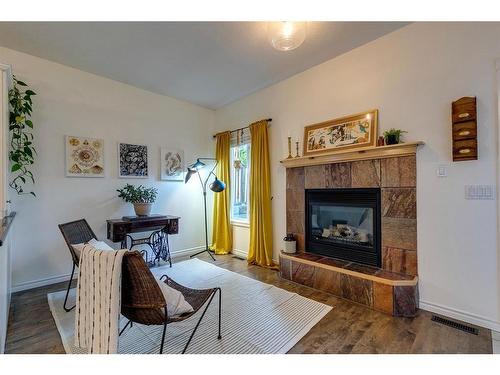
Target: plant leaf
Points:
(15, 167)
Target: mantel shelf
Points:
(381, 152)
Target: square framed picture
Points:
(132, 161)
(84, 156)
(172, 164)
(350, 132)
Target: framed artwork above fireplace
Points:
(350, 132)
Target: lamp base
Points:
(201, 252)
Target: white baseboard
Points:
(240, 253)
(460, 315)
(65, 277)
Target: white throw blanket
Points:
(98, 300)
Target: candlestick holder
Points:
(297, 149)
(289, 148)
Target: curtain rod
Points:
(245, 127)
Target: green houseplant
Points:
(21, 153)
(142, 198)
(393, 136)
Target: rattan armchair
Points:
(75, 232)
(142, 300)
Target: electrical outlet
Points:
(480, 192)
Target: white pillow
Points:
(99, 245)
(176, 304)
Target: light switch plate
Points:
(442, 171)
(480, 192)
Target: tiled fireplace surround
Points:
(393, 287)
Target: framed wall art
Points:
(132, 161)
(84, 157)
(172, 164)
(350, 132)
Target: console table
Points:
(119, 230)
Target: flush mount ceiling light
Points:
(286, 36)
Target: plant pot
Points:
(391, 139)
(142, 209)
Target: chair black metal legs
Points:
(220, 310)
(124, 328)
(163, 335)
(67, 291)
(203, 314)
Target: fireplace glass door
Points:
(344, 223)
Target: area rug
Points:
(256, 317)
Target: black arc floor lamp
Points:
(216, 186)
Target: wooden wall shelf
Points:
(381, 152)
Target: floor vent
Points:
(456, 325)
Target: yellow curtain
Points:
(260, 250)
(222, 242)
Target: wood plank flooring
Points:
(348, 328)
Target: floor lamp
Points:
(216, 186)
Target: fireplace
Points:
(344, 224)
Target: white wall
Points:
(412, 76)
(72, 102)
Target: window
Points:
(240, 176)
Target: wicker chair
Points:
(75, 232)
(143, 302)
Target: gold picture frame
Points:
(350, 132)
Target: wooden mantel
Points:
(381, 152)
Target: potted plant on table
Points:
(393, 136)
(142, 198)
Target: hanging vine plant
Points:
(21, 152)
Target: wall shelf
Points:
(381, 152)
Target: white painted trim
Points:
(240, 224)
(460, 315)
(61, 278)
(240, 253)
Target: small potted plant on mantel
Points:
(142, 198)
(393, 136)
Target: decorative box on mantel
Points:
(377, 265)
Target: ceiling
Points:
(207, 63)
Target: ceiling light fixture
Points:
(286, 36)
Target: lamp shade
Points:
(189, 173)
(198, 165)
(217, 186)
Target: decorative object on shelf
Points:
(381, 141)
(142, 198)
(22, 151)
(216, 186)
(172, 164)
(297, 149)
(356, 132)
(289, 148)
(464, 129)
(393, 136)
(133, 160)
(286, 36)
(289, 244)
(84, 157)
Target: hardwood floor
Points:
(348, 328)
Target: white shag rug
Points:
(256, 317)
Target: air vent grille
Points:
(456, 325)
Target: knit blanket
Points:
(98, 300)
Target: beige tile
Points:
(399, 172)
(399, 233)
(365, 173)
(315, 177)
(399, 202)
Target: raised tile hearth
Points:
(389, 292)
(392, 286)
